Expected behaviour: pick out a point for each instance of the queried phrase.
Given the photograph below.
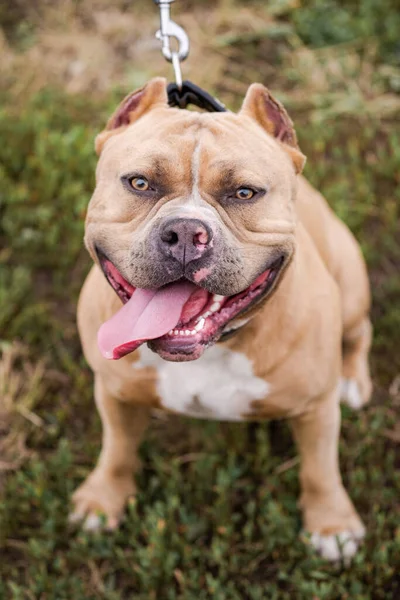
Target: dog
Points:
(224, 287)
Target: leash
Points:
(170, 29)
(181, 93)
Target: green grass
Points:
(216, 513)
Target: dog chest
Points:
(220, 384)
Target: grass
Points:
(216, 514)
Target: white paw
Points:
(339, 547)
(350, 393)
(92, 521)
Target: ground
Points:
(216, 514)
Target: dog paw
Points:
(338, 548)
(350, 394)
(92, 521)
(99, 503)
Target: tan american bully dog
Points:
(227, 289)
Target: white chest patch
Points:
(219, 385)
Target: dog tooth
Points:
(187, 332)
(181, 332)
(215, 306)
(217, 298)
(176, 332)
(200, 325)
(203, 316)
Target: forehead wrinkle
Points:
(162, 161)
(224, 166)
(235, 172)
(159, 165)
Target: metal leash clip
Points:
(168, 29)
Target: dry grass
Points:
(21, 388)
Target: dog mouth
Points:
(179, 320)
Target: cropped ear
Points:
(260, 105)
(134, 106)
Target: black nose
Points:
(185, 239)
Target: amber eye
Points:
(140, 184)
(244, 193)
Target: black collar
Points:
(190, 93)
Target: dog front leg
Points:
(107, 488)
(328, 513)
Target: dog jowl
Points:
(223, 287)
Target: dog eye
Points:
(139, 184)
(244, 193)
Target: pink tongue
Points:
(147, 315)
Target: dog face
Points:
(193, 215)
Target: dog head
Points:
(192, 219)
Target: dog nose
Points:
(185, 239)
